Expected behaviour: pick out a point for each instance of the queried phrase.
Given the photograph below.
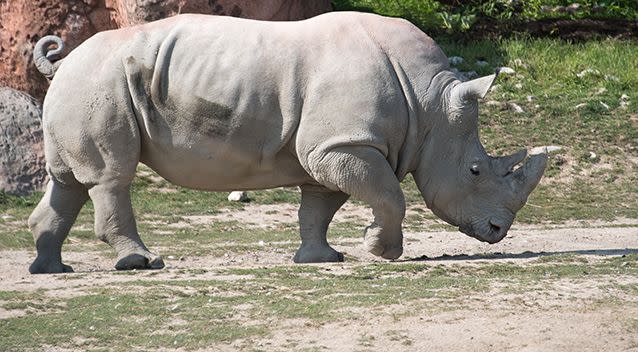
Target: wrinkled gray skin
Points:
(343, 104)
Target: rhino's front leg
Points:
(115, 225)
(364, 173)
(318, 206)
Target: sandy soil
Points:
(555, 320)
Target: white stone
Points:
(604, 105)
(530, 98)
(515, 107)
(612, 78)
(519, 63)
(455, 60)
(238, 196)
(506, 70)
(588, 72)
(470, 74)
(592, 155)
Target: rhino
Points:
(342, 104)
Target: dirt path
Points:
(556, 318)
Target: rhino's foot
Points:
(42, 266)
(314, 253)
(139, 261)
(378, 245)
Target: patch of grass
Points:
(124, 321)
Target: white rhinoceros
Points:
(341, 104)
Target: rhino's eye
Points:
(474, 169)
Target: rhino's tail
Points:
(47, 61)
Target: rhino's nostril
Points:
(495, 228)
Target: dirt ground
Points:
(558, 318)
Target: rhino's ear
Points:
(472, 90)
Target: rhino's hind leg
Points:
(318, 206)
(50, 223)
(115, 225)
(364, 173)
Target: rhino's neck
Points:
(424, 110)
(432, 141)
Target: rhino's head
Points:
(459, 181)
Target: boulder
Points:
(131, 12)
(23, 22)
(21, 149)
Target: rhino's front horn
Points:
(528, 176)
(504, 165)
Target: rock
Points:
(588, 72)
(612, 78)
(469, 75)
(592, 156)
(481, 63)
(455, 60)
(23, 22)
(530, 98)
(21, 149)
(515, 107)
(238, 196)
(506, 70)
(519, 63)
(26, 21)
(545, 149)
(131, 12)
(573, 8)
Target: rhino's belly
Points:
(224, 167)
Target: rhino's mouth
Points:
(491, 232)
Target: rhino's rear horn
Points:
(473, 90)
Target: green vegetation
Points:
(452, 17)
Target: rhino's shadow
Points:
(523, 255)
